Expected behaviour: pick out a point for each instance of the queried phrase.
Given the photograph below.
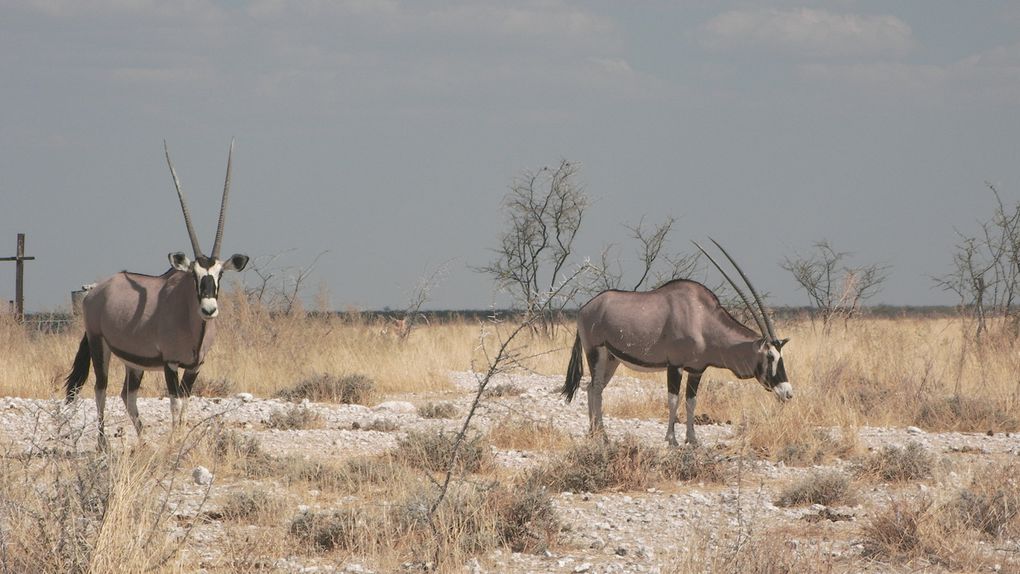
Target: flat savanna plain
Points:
(898, 454)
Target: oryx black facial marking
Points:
(156, 323)
(680, 326)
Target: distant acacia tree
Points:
(835, 289)
(544, 210)
(985, 272)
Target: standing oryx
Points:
(680, 325)
(155, 323)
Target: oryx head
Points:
(205, 270)
(769, 368)
(770, 371)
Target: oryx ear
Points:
(179, 261)
(780, 343)
(237, 262)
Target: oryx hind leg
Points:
(101, 365)
(673, 392)
(129, 394)
(602, 365)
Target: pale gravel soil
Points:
(605, 532)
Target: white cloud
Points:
(808, 33)
(991, 77)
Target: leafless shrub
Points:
(295, 417)
(834, 289)
(985, 272)
(544, 211)
(828, 488)
(911, 462)
(444, 410)
(347, 389)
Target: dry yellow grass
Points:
(923, 372)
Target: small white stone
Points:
(245, 397)
(914, 430)
(202, 476)
(583, 567)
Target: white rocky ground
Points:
(606, 532)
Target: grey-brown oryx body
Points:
(154, 323)
(680, 326)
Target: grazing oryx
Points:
(155, 323)
(678, 326)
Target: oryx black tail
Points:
(574, 370)
(80, 370)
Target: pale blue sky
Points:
(387, 132)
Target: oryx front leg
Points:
(173, 388)
(673, 392)
(129, 394)
(693, 379)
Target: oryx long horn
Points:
(768, 322)
(747, 302)
(184, 204)
(223, 205)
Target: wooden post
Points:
(19, 281)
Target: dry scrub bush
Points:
(327, 388)
(254, 505)
(991, 503)
(828, 488)
(965, 414)
(949, 531)
(527, 434)
(433, 451)
(296, 417)
(503, 390)
(471, 520)
(919, 529)
(911, 462)
(785, 435)
(595, 465)
(207, 387)
(344, 528)
(443, 410)
(76, 510)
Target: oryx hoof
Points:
(672, 441)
